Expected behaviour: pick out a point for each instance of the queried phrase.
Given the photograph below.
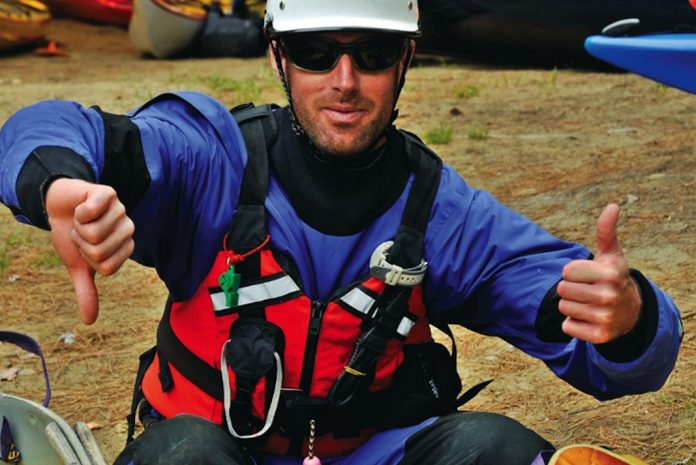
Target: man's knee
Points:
(474, 438)
(183, 440)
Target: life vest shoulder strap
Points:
(259, 129)
(408, 244)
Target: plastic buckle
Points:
(395, 275)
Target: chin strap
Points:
(296, 127)
(402, 82)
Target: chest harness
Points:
(252, 352)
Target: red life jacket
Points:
(252, 352)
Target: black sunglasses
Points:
(317, 54)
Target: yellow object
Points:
(194, 9)
(22, 22)
(259, 6)
(585, 454)
(353, 371)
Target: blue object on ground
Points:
(666, 58)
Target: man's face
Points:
(345, 110)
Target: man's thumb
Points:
(607, 241)
(86, 292)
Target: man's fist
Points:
(91, 233)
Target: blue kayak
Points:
(666, 58)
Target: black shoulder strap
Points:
(408, 244)
(258, 127)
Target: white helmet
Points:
(289, 16)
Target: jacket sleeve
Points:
(492, 270)
(176, 164)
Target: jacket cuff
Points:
(625, 349)
(43, 166)
(634, 344)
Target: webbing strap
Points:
(255, 181)
(193, 368)
(472, 391)
(146, 359)
(407, 251)
(247, 232)
(248, 228)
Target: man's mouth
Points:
(343, 114)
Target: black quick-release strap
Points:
(407, 252)
(146, 359)
(472, 391)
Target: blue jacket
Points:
(489, 267)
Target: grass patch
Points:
(477, 134)
(553, 77)
(11, 243)
(439, 136)
(549, 82)
(660, 88)
(4, 260)
(143, 95)
(246, 90)
(48, 260)
(22, 246)
(467, 92)
(215, 82)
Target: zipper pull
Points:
(315, 320)
(311, 459)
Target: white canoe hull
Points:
(160, 31)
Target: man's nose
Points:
(344, 73)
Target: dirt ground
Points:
(556, 145)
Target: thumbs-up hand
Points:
(91, 233)
(599, 298)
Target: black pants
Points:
(464, 438)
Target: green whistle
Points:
(229, 282)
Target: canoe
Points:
(548, 29)
(666, 58)
(116, 12)
(22, 22)
(167, 28)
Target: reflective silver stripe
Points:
(219, 301)
(405, 326)
(256, 293)
(358, 300)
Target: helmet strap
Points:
(296, 127)
(402, 81)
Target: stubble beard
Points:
(364, 140)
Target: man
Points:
(307, 255)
